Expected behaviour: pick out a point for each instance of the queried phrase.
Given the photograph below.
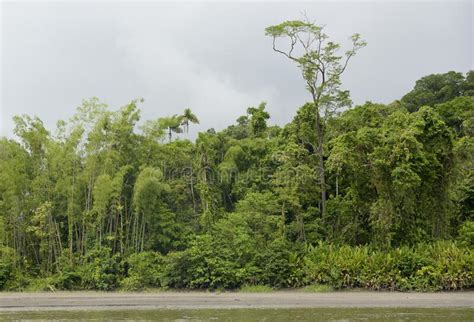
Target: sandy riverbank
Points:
(196, 300)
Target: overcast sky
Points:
(213, 58)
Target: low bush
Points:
(19, 281)
(466, 234)
(100, 270)
(439, 266)
(203, 265)
(45, 284)
(142, 270)
(5, 273)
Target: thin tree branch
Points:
(288, 55)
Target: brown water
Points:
(313, 314)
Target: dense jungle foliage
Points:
(103, 203)
(376, 196)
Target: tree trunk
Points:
(192, 190)
(320, 154)
(70, 222)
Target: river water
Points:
(310, 314)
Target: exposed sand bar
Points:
(196, 300)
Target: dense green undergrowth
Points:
(425, 267)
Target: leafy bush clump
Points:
(278, 265)
(142, 270)
(222, 258)
(203, 265)
(19, 281)
(452, 266)
(6, 266)
(5, 273)
(466, 234)
(440, 266)
(100, 270)
(46, 284)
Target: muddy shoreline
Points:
(11, 302)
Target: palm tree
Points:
(187, 117)
(172, 124)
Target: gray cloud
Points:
(213, 58)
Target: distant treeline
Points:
(102, 203)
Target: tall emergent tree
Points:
(321, 67)
(258, 118)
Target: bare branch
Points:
(345, 64)
(288, 55)
(293, 43)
